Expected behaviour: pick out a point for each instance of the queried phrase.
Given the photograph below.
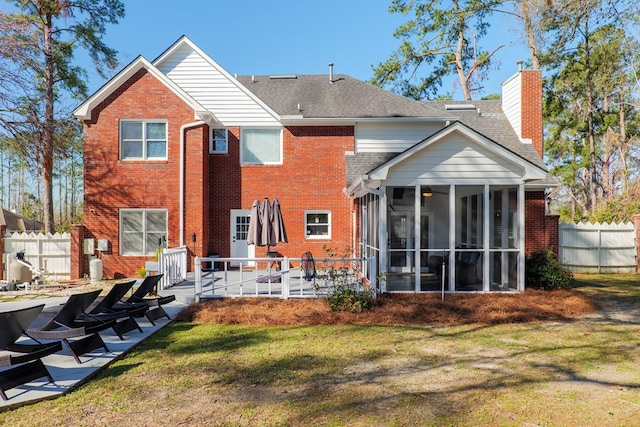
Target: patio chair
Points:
(139, 297)
(104, 308)
(64, 325)
(24, 357)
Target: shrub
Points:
(544, 271)
(345, 298)
(344, 288)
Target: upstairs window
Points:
(317, 224)
(142, 230)
(218, 141)
(261, 146)
(143, 139)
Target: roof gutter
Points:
(359, 188)
(365, 187)
(300, 120)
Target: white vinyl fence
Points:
(50, 253)
(598, 248)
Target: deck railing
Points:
(276, 277)
(172, 263)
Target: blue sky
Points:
(280, 37)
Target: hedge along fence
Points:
(598, 247)
(48, 252)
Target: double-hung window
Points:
(142, 230)
(143, 139)
(261, 146)
(317, 224)
(218, 141)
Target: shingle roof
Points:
(315, 96)
(362, 163)
(346, 97)
(486, 118)
(489, 120)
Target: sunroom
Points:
(448, 214)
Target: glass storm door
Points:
(239, 233)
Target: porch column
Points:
(382, 230)
(417, 233)
(452, 237)
(521, 255)
(486, 239)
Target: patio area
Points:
(69, 375)
(270, 277)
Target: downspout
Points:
(183, 128)
(354, 250)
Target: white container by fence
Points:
(19, 273)
(95, 269)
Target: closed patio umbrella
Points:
(254, 236)
(268, 236)
(277, 223)
(266, 225)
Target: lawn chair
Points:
(65, 325)
(104, 308)
(154, 304)
(26, 358)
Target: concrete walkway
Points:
(68, 374)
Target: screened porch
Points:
(456, 238)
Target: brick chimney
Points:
(522, 104)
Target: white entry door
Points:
(239, 231)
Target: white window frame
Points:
(145, 251)
(243, 133)
(307, 235)
(212, 141)
(144, 140)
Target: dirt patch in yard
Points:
(415, 309)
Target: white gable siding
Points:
(511, 105)
(213, 90)
(392, 137)
(454, 160)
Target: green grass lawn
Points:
(581, 373)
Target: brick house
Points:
(177, 149)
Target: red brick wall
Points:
(541, 230)
(112, 184)
(226, 193)
(531, 120)
(311, 177)
(196, 192)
